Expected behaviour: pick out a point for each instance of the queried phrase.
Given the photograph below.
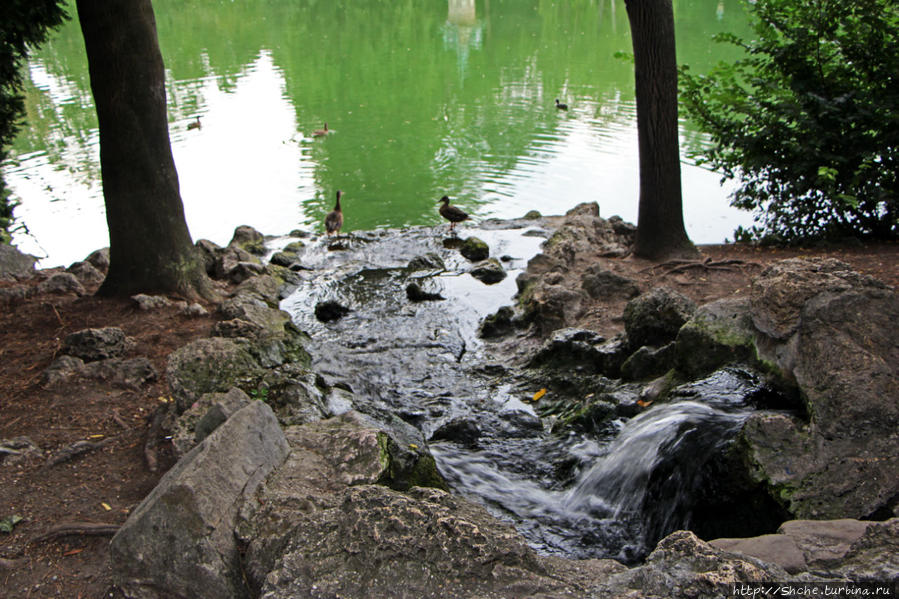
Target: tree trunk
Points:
(150, 247)
(660, 222)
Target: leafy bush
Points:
(809, 119)
(23, 24)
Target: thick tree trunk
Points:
(660, 223)
(150, 245)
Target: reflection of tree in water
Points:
(462, 30)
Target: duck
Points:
(195, 124)
(452, 213)
(561, 106)
(320, 132)
(334, 219)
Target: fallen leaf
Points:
(73, 551)
(95, 436)
(643, 404)
(539, 394)
(106, 506)
(413, 446)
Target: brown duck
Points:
(452, 213)
(321, 132)
(334, 219)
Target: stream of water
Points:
(570, 494)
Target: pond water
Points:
(421, 100)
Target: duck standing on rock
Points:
(334, 219)
(452, 213)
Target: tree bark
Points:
(150, 247)
(660, 222)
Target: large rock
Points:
(14, 264)
(655, 317)
(204, 416)
(210, 365)
(179, 542)
(96, 344)
(62, 283)
(833, 332)
(836, 549)
(249, 239)
(325, 458)
(682, 566)
(718, 334)
(374, 542)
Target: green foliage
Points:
(24, 24)
(808, 120)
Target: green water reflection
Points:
(422, 98)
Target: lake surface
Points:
(421, 100)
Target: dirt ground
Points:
(96, 490)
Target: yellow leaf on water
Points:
(643, 404)
(105, 506)
(413, 446)
(539, 394)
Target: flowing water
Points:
(422, 98)
(577, 495)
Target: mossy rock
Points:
(475, 249)
(718, 334)
(211, 365)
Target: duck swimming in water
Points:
(321, 132)
(195, 124)
(334, 219)
(452, 213)
(561, 106)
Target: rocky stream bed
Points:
(409, 414)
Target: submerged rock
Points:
(415, 293)
(330, 310)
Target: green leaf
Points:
(8, 523)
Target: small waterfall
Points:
(652, 469)
(640, 489)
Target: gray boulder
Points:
(96, 344)
(655, 317)
(488, 271)
(204, 416)
(718, 334)
(87, 273)
(373, 542)
(210, 365)
(62, 283)
(325, 457)
(14, 264)
(682, 565)
(249, 239)
(179, 541)
(428, 261)
(833, 332)
(99, 259)
(600, 283)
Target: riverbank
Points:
(101, 484)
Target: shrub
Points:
(809, 119)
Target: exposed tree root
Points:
(77, 529)
(675, 266)
(76, 449)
